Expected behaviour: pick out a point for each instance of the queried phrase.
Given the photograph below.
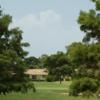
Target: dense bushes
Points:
(50, 78)
(84, 86)
(16, 87)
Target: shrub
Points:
(50, 78)
(16, 87)
(67, 78)
(83, 85)
(87, 94)
(98, 92)
(97, 74)
(74, 88)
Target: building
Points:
(37, 74)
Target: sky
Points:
(48, 25)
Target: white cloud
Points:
(41, 21)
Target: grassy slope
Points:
(45, 91)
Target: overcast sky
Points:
(48, 25)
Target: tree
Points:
(90, 23)
(84, 58)
(77, 54)
(32, 62)
(86, 55)
(12, 57)
(56, 65)
(42, 61)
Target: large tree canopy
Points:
(90, 23)
(12, 56)
(58, 66)
(32, 62)
(82, 54)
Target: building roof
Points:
(36, 72)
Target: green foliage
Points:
(86, 57)
(16, 87)
(32, 62)
(77, 53)
(87, 94)
(12, 57)
(80, 54)
(90, 23)
(50, 78)
(97, 4)
(57, 65)
(97, 74)
(83, 85)
(67, 70)
(42, 61)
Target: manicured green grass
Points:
(52, 85)
(45, 91)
